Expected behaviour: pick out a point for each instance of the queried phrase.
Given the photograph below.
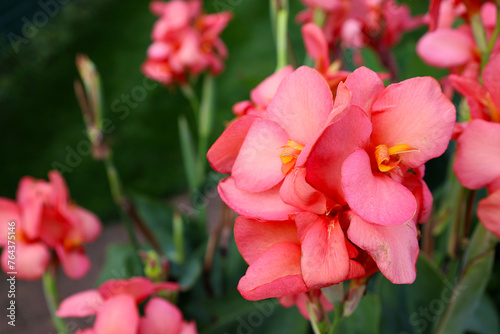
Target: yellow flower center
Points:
(388, 158)
(289, 155)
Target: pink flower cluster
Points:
(357, 24)
(329, 188)
(45, 221)
(115, 305)
(477, 164)
(185, 41)
(454, 48)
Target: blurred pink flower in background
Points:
(46, 221)
(115, 305)
(477, 164)
(362, 23)
(185, 41)
(454, 48)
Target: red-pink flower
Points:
(185, 41)
(362, 23)
(323, 184)
(115, 305)
(455, 48)
(46, 220)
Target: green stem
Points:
(281, 38)
(312, 319)
(480, 36)
(52, 299)
(119, 198)
(191, 97)
(338, 311)
(207, 114)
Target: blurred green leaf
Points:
(119, 263)
(485, 318)
(468, 291)
(366, 318)
(413, 308)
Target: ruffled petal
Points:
(365, 86)
(31, 260)
(160, 317)
(301, 104)
(488, 212)
(253, 237)
(265, 91)
(266, 205)
(275, 273)
(258, 165)
(138, 287)
(376, 198)
(337, 142)
(478, 154)
(414, 112)
(81, 304)
(325, 260)
(394, 248)
(445, 48)
(118, 315)
(297, 192)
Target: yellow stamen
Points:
(388, 158)
(289, 155)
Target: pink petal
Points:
(478, 154)
(166, 286)
(337, 142)
(253, 237)
(189, 328)
(31, 211)
(365, 86)
(74, 263)
(89, 225)
(258, 165)
(275, 273)
(118, 315)
(475, 93)
(60, 190)
(160, 317)
(9, 212)
(297, 192)
(414, 112)
(324, 259)
(265, 91)
(81, 304)
(491, 73)
(138, 287)
(445, 48)
(394, 248)
(488, 212)
(31, 260)
(85, 331)
(224, 151)
(159, 50)
(375, 197)
(266, 205)
(316, 45)
(301, 104)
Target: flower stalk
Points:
(52, 299)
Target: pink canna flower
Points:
(46, 220)
(185, 41)
(362, 23)
(455, 48)
(115, 305)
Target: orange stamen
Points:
(388, 158)
(289, 155)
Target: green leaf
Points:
(189, 156)
(485, 318)
(472, 283)
(119, 263)
(366, 318)
(413, 308)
